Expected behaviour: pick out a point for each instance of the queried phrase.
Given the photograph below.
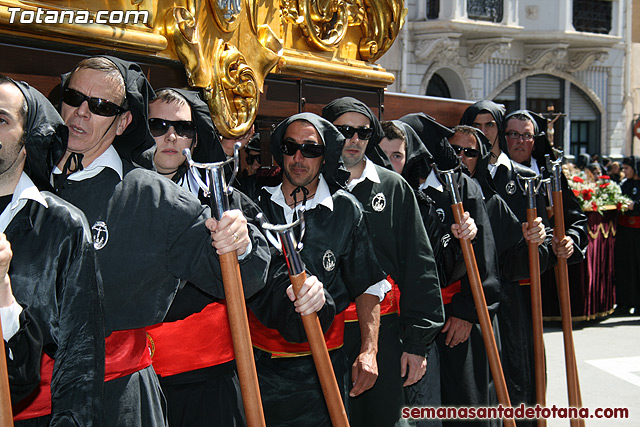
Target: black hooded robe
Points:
(627, 249)
(465, 378)
(337, 249)
(404, 252)
(149, 234)
(54, 278)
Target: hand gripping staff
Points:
(562, 279)
(6, 415)
(218, 191)
(290, 247)
(449, 179)
(530, 186)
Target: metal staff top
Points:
(555, 168)
(448, 178)
(215, 188)
(288, 244)
(529, 185)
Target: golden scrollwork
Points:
(324, 23)
(385, 19)
(227, 13)
(234, 91)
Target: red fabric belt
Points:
(201, 340)
(525, 282)
(449, 292)
(271, 341)
(126, 352)
(629, 221)
(390, 303)
(38, 404)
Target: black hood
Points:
(434, 136)
(333, 169)
(347, 104)
(136, 138)
(45, 136)
(481, 173)
(542, 144)
(583, 160)
(208, 149)
(486, 106)
(417, 157)
(634, 162)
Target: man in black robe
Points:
(52, 274)
(404, 252)
(628, 241)
(148, 232)
(198, 373)
(511, 237)
(464, 369)
(336, 248)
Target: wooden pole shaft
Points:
(322, 361)
(483, 316)
(562, 279)
(6, 414)
(536, 318)
(237, 312)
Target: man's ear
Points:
(194, 144)
(123, 121)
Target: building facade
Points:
(568, 59)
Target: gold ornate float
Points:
(227, 47)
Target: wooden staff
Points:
(311, 323)
(479, 299)
(234, 295)
(562, 279)
(6, 414)
(536, 299)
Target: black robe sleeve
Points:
(575, 223)
(23, 365)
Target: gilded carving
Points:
(385, 19)
(324, 23)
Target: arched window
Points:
(438, 87)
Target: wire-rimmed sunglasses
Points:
(184, 128)
(469, 152)
(364, 133)
(309, 151)
(98, 106)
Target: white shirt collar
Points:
(322, 197)
(109, 159)
(504, 160)
(534, 165)
(433, 182)
(24, 191)
(369, 173)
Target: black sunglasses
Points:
(309, 151)
(184, 128)
(348, 131)
(253, 158)
(98, 106)
(469, 152)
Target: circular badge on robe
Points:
(379, 202)
(634, 191)
(440, 213)
(510, 188)
(329, 260)
(100, 234)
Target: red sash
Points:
(390, 303)
(201, 340)
(38, 404)
(525, 282)
(126, 352)
(271, 341)
(449, 292)
(629, 221)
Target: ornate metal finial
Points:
(448, 178)
(529, 185)
(215, 186)
(555, 168)
(287, 243)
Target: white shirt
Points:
(323, 197)
(108, 159)
(369, 172)
(433, 182)
(24, 191)
(502, 159)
